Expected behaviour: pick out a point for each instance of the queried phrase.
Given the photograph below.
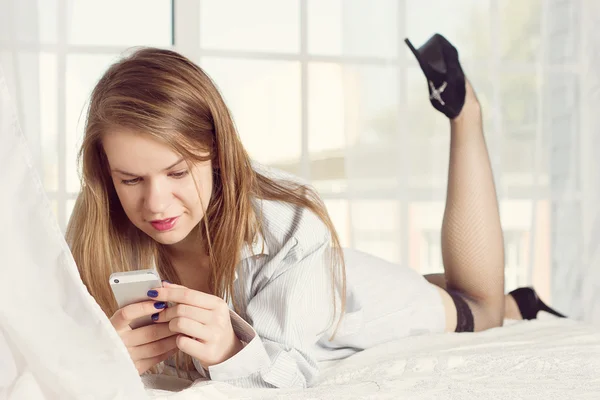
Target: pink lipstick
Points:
(164, 225)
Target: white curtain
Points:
(55, 341)
(585, 266)
(533, 67)
(330, 85)
(19, 58)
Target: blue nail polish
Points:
(152, 293)
(154, 317)
(160, 304)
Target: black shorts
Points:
(464, 315)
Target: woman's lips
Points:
(164, 224)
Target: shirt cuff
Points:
(251, 359)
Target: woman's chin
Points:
(174, 235)
(168, 238)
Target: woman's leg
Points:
(472, 242)
(511, 309)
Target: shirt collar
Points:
(256, 248)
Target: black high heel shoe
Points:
(445, 78)
(530, 304)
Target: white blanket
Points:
(544, 359)
(55, 342)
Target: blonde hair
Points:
(163, 94)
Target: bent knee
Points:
(490, 314)
(465, 314)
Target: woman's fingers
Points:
(201, 315)
(182, 295)
(193, 329)
(145, 364)
(124, 316)
(147, 345)
(146, 334)
(153, 349)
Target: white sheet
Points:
(55, 342)
(543, 359)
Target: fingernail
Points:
(160, 304)
(154, 317)
(152, 293)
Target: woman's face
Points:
(156, 189)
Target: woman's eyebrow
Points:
(130, 174)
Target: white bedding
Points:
(545, 359)
(55, 342)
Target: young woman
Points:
(261, 289)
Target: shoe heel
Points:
(530, 304)
(544, 307)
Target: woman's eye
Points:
(178, 175)
(130, 181)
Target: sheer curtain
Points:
(585, 265)
(532, 67)
(20, 39)
(328, 90)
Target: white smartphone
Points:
(132, 287)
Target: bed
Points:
(548, 358)
(56, 343)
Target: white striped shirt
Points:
(286, 318)
(283, 279)
(285, 288)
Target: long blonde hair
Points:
(163, 94)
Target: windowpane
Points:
(352, 124)
(258, 25)
(519, 99)
(120, 23)
(22, 75)
(69, 210)
(561, 131)
(424, 243)
(562, 31)
(520, 25)
(339, 212)
(353, 28)
(264, 97)
(516, 219)
(26, 26)
(326, 136)
(48, 20)
(83, 72)
(465, 23)
(376, 228)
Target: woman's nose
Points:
(157, 198)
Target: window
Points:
(79, 42)
(327, 89)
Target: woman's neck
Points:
(191, 263)
(190, 247)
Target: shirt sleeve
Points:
(289, 314)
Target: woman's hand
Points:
(147, 345)
(203, 322)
